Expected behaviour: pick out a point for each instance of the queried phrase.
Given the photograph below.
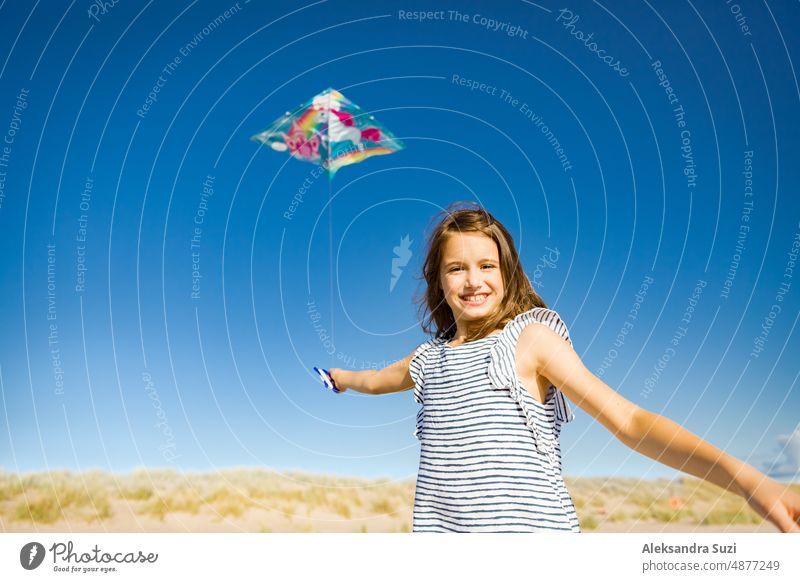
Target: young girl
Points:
(492, 384)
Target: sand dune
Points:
(265, 501)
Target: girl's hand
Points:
(777, 503)
(332, 373)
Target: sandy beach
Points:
(265, 501)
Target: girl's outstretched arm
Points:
(392, 378)
(667, 442)
(542, 350)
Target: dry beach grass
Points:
(264, 501)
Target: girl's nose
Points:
(474, 279)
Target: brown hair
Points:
(435, 314)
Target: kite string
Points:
(330, 261)
(330, 225)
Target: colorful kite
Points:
(329, 130)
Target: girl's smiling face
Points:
(470, 277)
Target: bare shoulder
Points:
(549, 356)
(534, 340)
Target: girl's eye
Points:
(459, 268)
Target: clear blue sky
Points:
(647, 185)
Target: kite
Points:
(329, 130)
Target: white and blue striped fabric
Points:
(490, 458)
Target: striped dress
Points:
(490, 459)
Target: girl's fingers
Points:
(791, 527)
(325, 376)
(784, 520)
(332, 382)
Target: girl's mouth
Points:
(474, 300)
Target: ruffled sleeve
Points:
(416, 368)
(503, 372)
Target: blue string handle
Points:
(325, 376)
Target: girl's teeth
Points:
(479, 299)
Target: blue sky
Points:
(672, 197)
